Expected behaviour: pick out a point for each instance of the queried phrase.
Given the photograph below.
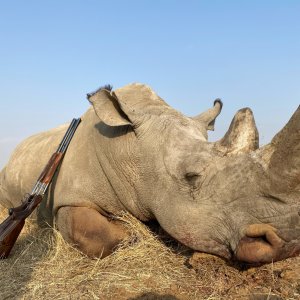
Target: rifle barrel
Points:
(66, 142)
(66, 135)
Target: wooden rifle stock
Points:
(12, 226)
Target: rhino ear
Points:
(208, 117)
(108, 109)
(129, 105)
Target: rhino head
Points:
(230, 197)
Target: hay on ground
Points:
(146, 266)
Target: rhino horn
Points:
(208, 117)
(282, 155)
(242, 135)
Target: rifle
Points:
(11, 227)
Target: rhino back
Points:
(80, 180)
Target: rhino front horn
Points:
(282, 155)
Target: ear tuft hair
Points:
(104, 87)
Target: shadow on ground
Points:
(154, 296)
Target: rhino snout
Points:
(263, 243)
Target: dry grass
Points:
(146, 266)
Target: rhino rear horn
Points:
(242, 135)
(208, 117)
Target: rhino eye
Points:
(191, 177)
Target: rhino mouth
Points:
(263, 243)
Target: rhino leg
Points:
(89, 231)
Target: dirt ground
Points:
(149, 265)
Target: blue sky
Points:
(54, 52)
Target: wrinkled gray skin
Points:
(132, 152)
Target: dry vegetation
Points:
(147, 266)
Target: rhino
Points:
(133, 152)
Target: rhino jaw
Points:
(262, 244)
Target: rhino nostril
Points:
(191, 177)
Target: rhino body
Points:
(132, 152)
